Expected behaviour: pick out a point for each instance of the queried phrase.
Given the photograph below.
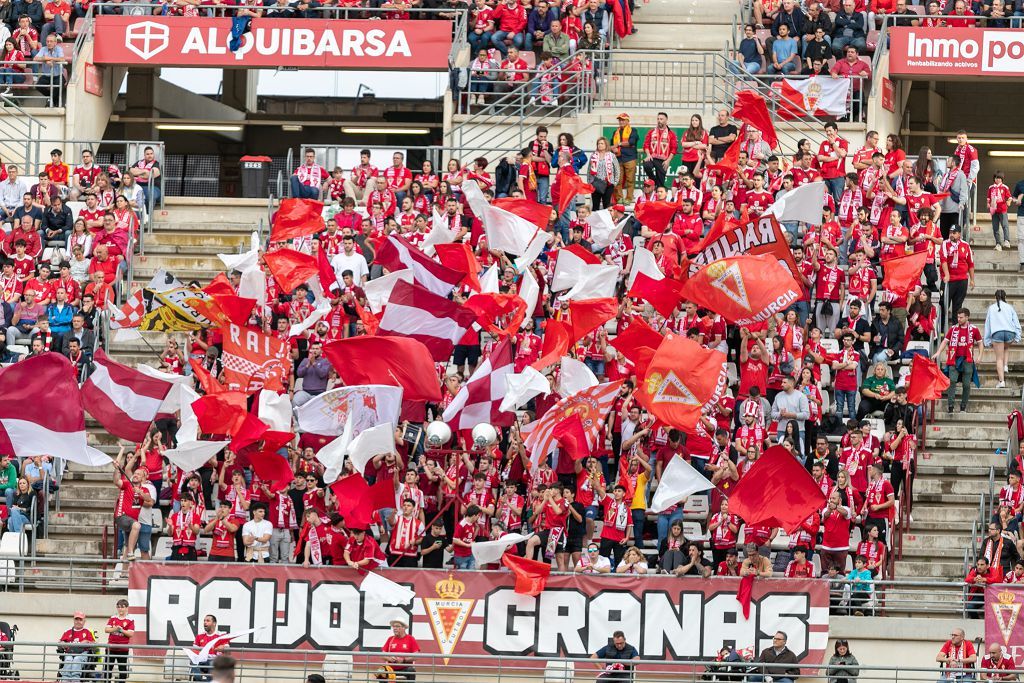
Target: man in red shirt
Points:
(462, 539)
(981, 575)
(75, 652)
(957, 653)
(968, 155)
(805, 173)
(398, 177)
(400, 647)
(309, 178)
(688, 225)
(510, 23)
(828, 290)
(362, 552)
(85, 175)
(961, 344)
(995, 660)
(879, 500)
(119, 630)
(660, 145)
(832, 159)
(201, 671)
(184, 526)
(799, 567)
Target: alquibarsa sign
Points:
(956, 52)
(304, 44)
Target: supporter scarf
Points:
(992, 551)
(877, 205)
(597, 158)
(310, 175)
(947, 180)
(848, 204)
(313, 539)
(622, 135)
(659, 143)
(285, 518)
(953, 246)
(554, 537)
(956, 652)
(793, 337)
(723, 532)
(618, 515)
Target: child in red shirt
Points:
(998, 200)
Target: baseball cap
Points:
(623, 115)
(954, 228)
(79, 615)
(649, 182)
(620, 208)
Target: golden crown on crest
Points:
(1006, 597)
(450, 588)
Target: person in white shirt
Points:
(12, 191)
(593, 562)
(349, 259)
(256, 535)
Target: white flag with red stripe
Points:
(438, 323)
(814, 96)
(479, 399)
(592, 405)
(398, 254)
(122, 399)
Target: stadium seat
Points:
(337, 668)
(877, 427)
(692, 532)
(696, 508)
(176, 666)
(917, 346)
(13, 544)
(559, 672)
(816, 563)
(781, 541)
(826, 403)
(732, 374)
(830, 345)
(162, 550)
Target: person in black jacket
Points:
(886, 335)
(33, 9)
(57, 222)
(778, 654)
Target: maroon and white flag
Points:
(122, 399)
(479, 399)
(398, 254)
(438, 323)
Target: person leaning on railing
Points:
(51, 74)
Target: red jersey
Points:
(465, 532)
(616, 519)
(128, 501)
(397, 177)
(723, 537)
(828, 283)
(961, 340)
(877, 494)
(958, 257)
(118, 638)
(856, 462)
(998, 198)
(406, 535)
(181, 527)
(77, 635)
(836, 536)
(758, 202)
(802, 176)
(800, 570)
(833, 169)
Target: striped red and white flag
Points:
(122, 399)
(413, 311)
(591, 405)
(479, 399)
(397, 253)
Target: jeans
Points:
(155, 189)
(201, 672)
(543, 189)
(58, 26)
(498, 41)
(850, 399)
(9, 497)
(301, 191)
(639, 517)
(665, 520)
(999, 220)
(464, 562)
(957, 294)
(51, 85)
(17, 521)
(596, 366)
(964, 378)
(840, 43)
(752, 68)
(835, 186)
(787, 68)
(9, 76)
(73, 665)
(479, 41)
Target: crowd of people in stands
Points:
(825, 379)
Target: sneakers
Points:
(1006, 244)
(1000, 385)
(999, 247)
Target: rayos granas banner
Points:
(475, 612)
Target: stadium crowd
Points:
(825, 379)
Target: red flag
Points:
(571, 437)
(269, 465)
(730, 160)
(637, 335)
(235, 309)
(253, 360)
(249, 432)
(328, 278)
(460, 257)
(220, 413)
(586, 315)
(490, 308)
(531, 575)
(903, 273)
(370, 322)
(290, 268)
(744, 593)
(396, 253)
(743, 289)
(751, 109)
(776, 490)
(931, 198)
(395, 361)
(382, 493)
(207, 382)
(297, 218)
(926, 382)
(723, 223)
(538, 214)
(568, 185)
(352, 494)
(655, 215)
(623, 19)
(555, 344)
(662, 294)
(122, 399)
(416, 312)
(587, 256)
(220, 285)
(681, 379)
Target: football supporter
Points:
(956, 655)
(399, 648)
(960, 345)
(310, 178)
(119, 629)
(76, 645)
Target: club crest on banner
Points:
(728, 280)
(448, 614)
(813, 95)
(669, 388)
(1006, 609)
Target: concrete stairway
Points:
(188, 235)
(961, 447)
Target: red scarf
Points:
(607, 158)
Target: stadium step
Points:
(936, 541)
(950, 484)
(174, 263)
(929, 511)
(194, 239)
(946, 568)
(71, 545)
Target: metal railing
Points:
(21, 91)
(562, 91)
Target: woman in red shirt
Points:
(13, 70)
(694, 145)
(894, 155)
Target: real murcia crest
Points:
(728, 280)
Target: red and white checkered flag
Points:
(130, 314)
(480, 398)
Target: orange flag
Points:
(903, 273)
(586, 315)
(681, 379)
(743, 289)
(926, 382)
(531, 575)
(220, 285)
(290, 268)
(655, 215)
(297, 218)
(370, 321)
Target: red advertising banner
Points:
(299, 43)
(955, 52)
(475, 612)
(1002, 623)
(762, 235)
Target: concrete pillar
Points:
(140, 95)
(239, 89)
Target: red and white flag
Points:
(397, 253)
(253, 360)
(814, 96)
(413, 311)
(591, 405)
(505, 230)
(124, 400)
(479, 399)
(41, 412)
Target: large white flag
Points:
(678, 480)
(815, 96)
(370, 405)
(802, 204)
(604, 230)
